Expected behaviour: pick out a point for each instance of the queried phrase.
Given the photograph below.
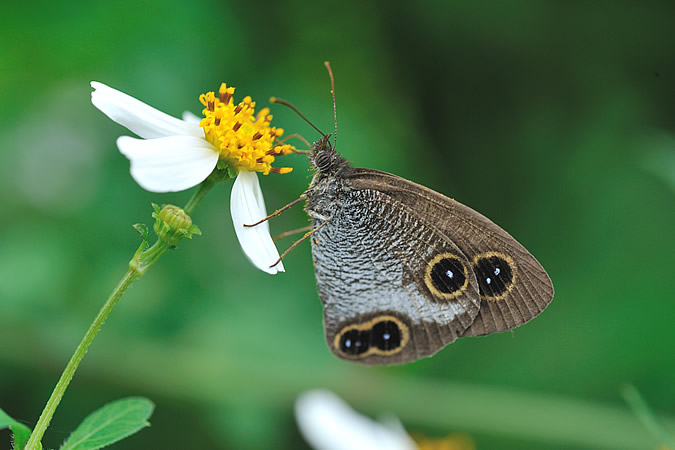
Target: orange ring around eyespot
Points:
(512, 266)
(430, 284)
(368, 325)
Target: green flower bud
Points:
(173, 224)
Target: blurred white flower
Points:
(174, 155)
(328, 423)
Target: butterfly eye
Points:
(322, 161)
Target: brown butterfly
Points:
(402, 271)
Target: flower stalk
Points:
(68, 373)
(143, 259)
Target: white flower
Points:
(174, 155)
(328, 423)
(248, 207)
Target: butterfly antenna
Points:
(285, 103)
(295, 150)
(332, 91)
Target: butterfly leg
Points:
(296, 243)
(316, 215)
(291, 233)
(278, 211)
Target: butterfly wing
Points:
(514, 287)
(394, 288)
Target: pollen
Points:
(245, 140)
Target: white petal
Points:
(169, 164)
(191, 118)
(327, 422)
(142, 119)
(247, 207)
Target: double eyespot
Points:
(496, 274)
(446, 276)
(383, 335)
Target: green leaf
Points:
(644, 413)
(20, 431)
(142, 230)
(111, 423)
(195, 230)
(231, 172)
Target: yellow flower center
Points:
(246, 140)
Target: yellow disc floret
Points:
(246, 140)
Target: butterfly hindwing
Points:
(394, 288)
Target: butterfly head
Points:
(323, 157)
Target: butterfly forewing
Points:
(513, 286)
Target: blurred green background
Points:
(554, 119)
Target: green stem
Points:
(217, 176)
(69, 371)
(197, 197)
(142, 260)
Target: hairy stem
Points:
(69, 371)
(143, 259)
